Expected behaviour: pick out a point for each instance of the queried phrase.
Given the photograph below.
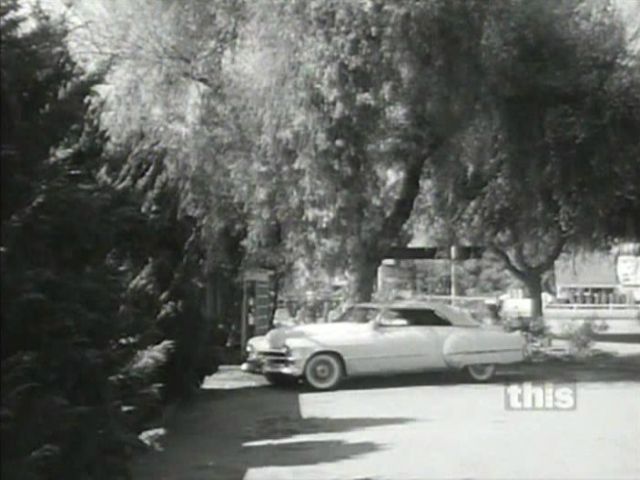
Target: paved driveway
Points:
(404, 428)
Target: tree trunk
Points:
(363, 276)
(533, 283)
(531, 275)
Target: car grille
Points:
(274, 357)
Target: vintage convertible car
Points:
(376, 339)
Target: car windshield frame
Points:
(455, 316)
(369, 313)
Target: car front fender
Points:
(304, 343)
(258, 343)
(302, 348)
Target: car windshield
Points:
(424, 317)
(436, 316)
(358, 314)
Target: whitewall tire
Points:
(481, 372)
(323, 371)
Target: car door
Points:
(432, 330)
(398, 345)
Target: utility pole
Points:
(244, 317)
(452, 263)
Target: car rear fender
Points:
(483, 346)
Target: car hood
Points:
(320, 332)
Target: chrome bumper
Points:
(291, 369)
(274, 362)
(252, 366)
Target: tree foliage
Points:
(315, 123)
(164, 99)
(348, 114)
(84, 354)
(551, 161)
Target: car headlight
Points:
(250, 348)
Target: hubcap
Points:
(323, 371)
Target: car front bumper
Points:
(268, 362)
(252, 365)
(289, 367)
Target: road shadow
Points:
(402, 381)
(604, 369)
(223, 433)
(277, 428)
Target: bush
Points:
(84, 356)
(581, 338)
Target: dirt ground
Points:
(426, 426)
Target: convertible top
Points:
(458, 316)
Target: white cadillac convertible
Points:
(377, 339)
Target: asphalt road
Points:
(405, 428)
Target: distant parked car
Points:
(374, 339)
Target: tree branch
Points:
(403, 205)
(519, 256)
(507, 261)
(550, 259)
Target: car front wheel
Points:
(481, 373)
(323, 371)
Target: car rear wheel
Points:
(323, 371)
(481, 372)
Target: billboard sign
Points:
(628, 270)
